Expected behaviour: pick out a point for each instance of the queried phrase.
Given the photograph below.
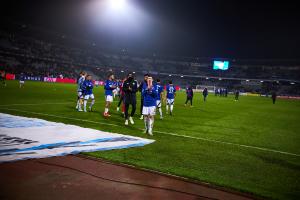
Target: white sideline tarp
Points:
(25, 138)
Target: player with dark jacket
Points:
(189, 95)
(236, 95)
(204, 93)
(130, 87)
(274, 96)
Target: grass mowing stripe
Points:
(166, 133)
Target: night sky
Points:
(212, 28)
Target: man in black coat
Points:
(236, 95)
(205, 93)
(274, 96)
(189, 95)
(130, 87)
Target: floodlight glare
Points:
(119, 18)
(117, 4)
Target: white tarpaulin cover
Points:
(25, 138)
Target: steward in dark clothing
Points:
(237, 94)
(189, 95)
(205, 93)
(226, 92)
(274, 96)
(130, 87)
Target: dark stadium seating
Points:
(35, 57)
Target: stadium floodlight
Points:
(181, 76)
(247, 80)
(133, 72)
(170, 75)
(117, 4)
(119, 19)
(207, 78)
(292, 83)
(261, 81)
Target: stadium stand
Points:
(47, 57)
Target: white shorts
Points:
(89, 96)
(79, 94)
(149, 110)
(22, 82)
(170, 101)
(158, 103)
(109, 98)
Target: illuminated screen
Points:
(222, 65)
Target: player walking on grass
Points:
(87, 87)
(130, 87)
(189, 95)
(109, 87)
(149, 105)
(159, 89)
(204, 93)
(79, 91)
(236, 95)
(21, 80)
(143, 86)
(171, 93)
(122, 96)
(274, 96)
(2, 78)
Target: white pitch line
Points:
(57, 116)
(229, 143)
(34, 104)
(166, 133)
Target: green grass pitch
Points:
(250, 145)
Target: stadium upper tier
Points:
(47, 57)
(18, 50)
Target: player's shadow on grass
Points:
(280, 162)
